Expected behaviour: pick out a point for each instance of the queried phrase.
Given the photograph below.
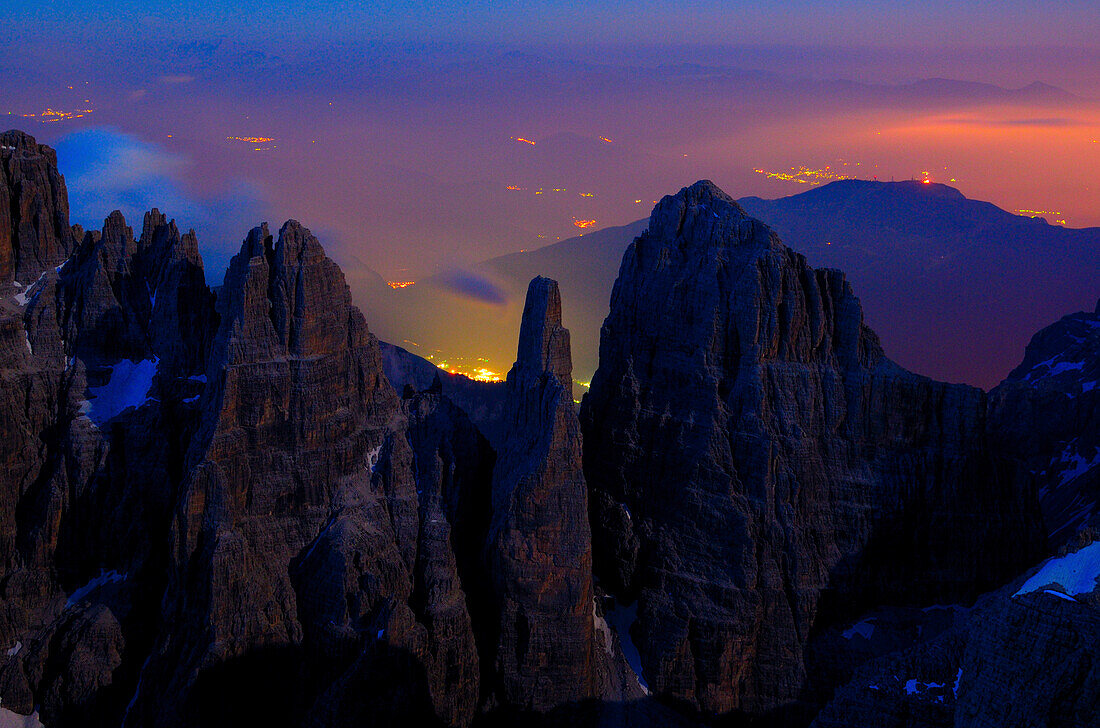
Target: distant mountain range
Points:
(953, 286)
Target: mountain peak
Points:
(34, 209)
(695, 209)
(543, 342)
(14, 139)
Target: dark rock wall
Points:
(539, 551)
(1047, 412)
(34, 209)
(758, 469)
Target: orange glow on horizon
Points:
(583, 223)
(525, 141)
(399, 284)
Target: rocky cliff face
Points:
(34, 209)
(1047, 411)
(94, 395)
(759, 470)
(483, 402)
(540, 548)
(218, 509)
(296, 542)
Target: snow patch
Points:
(1075, 573)
(916, 687)
(1053, 368)
(601, 625)
(25, 295)
(128, 387)
(14, 649)
(864, 629)
(958, 679)
(11, 719)
(621, 618)
(1078, 465)
(189, 400)
(372, 458)
(198, 378)
(111, 577)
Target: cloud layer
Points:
(107, 169)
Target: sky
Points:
(799, 22)
(419, 139)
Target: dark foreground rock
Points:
(1047, 412)
(1025, 655)
(539, 551)
(759, 470)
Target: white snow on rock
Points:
(14, 649)
(372, 458)
(1052, 368)
(110, 577)
(864, 629)
(26, 294)
(602, 627)
(621, 618)
(1078, 464)
(11, 719)
(1071, 574)
(128, 386)
(916, 687)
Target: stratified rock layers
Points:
(759, 469)
(34, 209)
(539, 550)
(297, 540)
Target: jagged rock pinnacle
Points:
(543, 342)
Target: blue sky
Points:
(800, 22)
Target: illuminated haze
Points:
(395, 134)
